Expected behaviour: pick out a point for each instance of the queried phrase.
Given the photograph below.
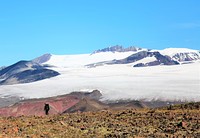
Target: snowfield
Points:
(178, 82)
(173, 51)
(85, 59)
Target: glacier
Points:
(179, 82)
(116, 82)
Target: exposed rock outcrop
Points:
(117, 48)
(160, 60)
(25, 72)
(187, 56)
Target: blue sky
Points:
(30, 28)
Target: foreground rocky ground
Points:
(174, 121)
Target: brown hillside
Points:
(160, 123)
(86, 105)
(36, 107)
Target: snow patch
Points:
(145, 60)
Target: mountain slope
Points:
(25, 72)
(36, 106)
(120, 55)
(58, 104)
(160, 60)
(181, 54)
(138, 57)
(70, 103)
(42, 59)
(86, 105)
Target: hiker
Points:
(46, 108)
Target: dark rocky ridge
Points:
(165, 60)
(117, 48)
(95, 94)
(160, 60)
(25, 72)
(186, 56)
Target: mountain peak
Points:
(42, 59)
(25, 72)
(117, 48)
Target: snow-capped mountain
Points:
(117, 75)
(42, 59)
(181, 54)
(138, 57)
(80, 60)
